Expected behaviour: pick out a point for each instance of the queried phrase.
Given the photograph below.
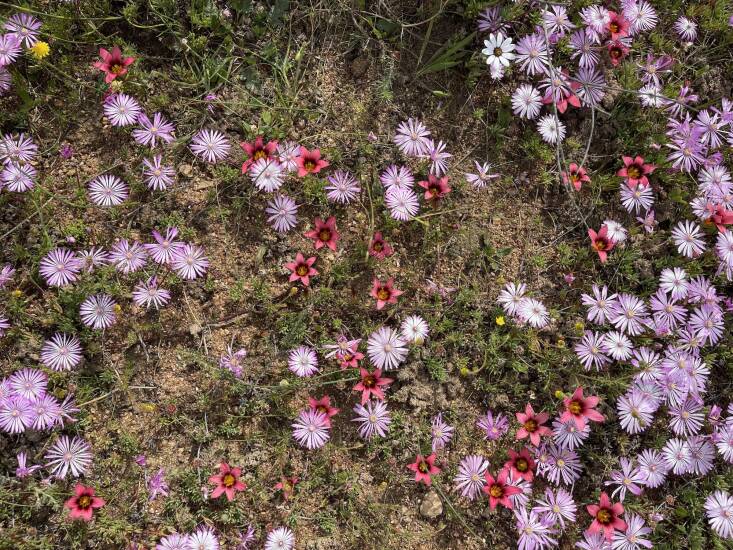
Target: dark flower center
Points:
(369, 381)
(117, 68)
(604, 516)
(383, 294)
(575, 407)
(531, 425)
(377, 246)
(614, 27)
(521, 465)
(498, 52)
(309, 165)
(615, 52)
(228, 480)
(496, 491)
(324, 235)
(302, 270)
(634, 171)
(423, 467)
(84, 502)
(322, 409)
(259, 154)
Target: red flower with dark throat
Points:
(424, 468)
(601, 242)
(372, 383)
(227, 481)
(83, 503)
(521, 464)
(635, 171)
(498, 490)
(575, 176)
(323, 405)
(581, 409)
(617, 50)
(618, 25)
(310, 162)
(384, 293)
(435, 188)
(113, 64)
(302, 269)
(605, 516)
(379, 248)
(324, 234)
(257, 150)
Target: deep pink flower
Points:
(257, 150)
(350, 357)
(379, 248)
(618, 25)
(435, 188)
(324, 234)
(580, 409)
(721, 217)
(83, 503)
(384, 293)
(227, 481)
(606, 517)
(323, 405)
(617, 50)
(371, 384)
(498, 490)
(287, 486)
(302, 269)
(576, 176)
(520, 464)
(635, 171)
(424, 468)
(601, 242)
(113, 64)
(532, 425)
(310, 162)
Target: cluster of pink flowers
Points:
(21, 30)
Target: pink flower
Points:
(310, 162)
(520, 464)
(601, 242)
(532, 425)
(635, 171)
(302, 269)
(227, 481)
(371, 384)
(323, 405)
(721, 217)
(83, 503)
(424, 468)
(576, 175)
(257, 150)
(618, 25)
(379, 248)
(350, 357)
(606, 517)
(435, 188)
(580, 409)
(384, 293)
(287, 486)
(498, 490)
(113, 64)
(324, 234)
(617, 50)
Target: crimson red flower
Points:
(302, 269)
(227, 481)
(498, 490)
(617, 50)
(384, 293)
(83, 503)
(721, 217)
(257, 150)
(350, 357)
(520, 464)
(287, 486)
(424, 468)
(371, 384)
(532, 425)
(310, 162)
(576, 176)
(580, 409)
(323, 405)
(324, 234)
(379, 248)
(601, 242)
(618, 25)
(606, 517)
(435, 188)
(113, 64)
(635, 171)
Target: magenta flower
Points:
(424, 468)
(189, 261)
(227, 482)
(372, 383)
(499, 490)
(532, 425)
(148, 293)
(302, 269)
(324, 233)
(384, 293)
(310, 162)
(494, 427)
(113, 64)
(83, 503)
(606, 517)
(150, 132)
(581, 409)
(60, 267)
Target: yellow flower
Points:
(559, 394)
(118, 309)
(560, 343)
(500, 321)
(40, 49)
(17, 293)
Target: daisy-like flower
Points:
(287, 154)
(303, 361)
(512, 297)
(719, 511)
(532, 55)
(16, 414)
(46, 411)
(633, 537)
(69, 456)
(108, 190)
(490, 19)
(652, 467)
(674, 281)
(551, 129)
(93, 257)
(301, 269)
(533, 312)
(723, 439)
(121, 110)
(6, 81)
(249, 535)
(686, 418)
(150, 132)
(412, 138)
(233, 361)
(567, 435)
(267, 175)
(282, 212)
(535, 531)
(174, 541)
(24, 27)
(210, 145)
(18, 178)
(62, 352)
(189, 261)
(20, 150)
(642, 16)
(686, 29)
(23, 470)
(651, 95)
(311, 429)
(707, 324)
(203, 538)
(4, 325)
(702, 454)
(9, 48)
(402, 203)
(128, 257)
(592, 85)
(28, 383)
(556, 19)
(526, 101)
(639, 199)
(373, 418)
(164, 247)
(557, 506)
(482, 176)
(397, 176)
(628, 478)
(148, 293)
(687, 237)
(386, 349)
(157, 485)
(6, 275)
(630, 314)
(494, 427)
(157, 175)
(617, 345)
(616, 231)
(437, 155)
(582, 46)
(414, 329)
(342, 187)
(281, 538)
(60, 267)
(590, 351)
(635, 411)
(677, 457)
(98, 311)
(440, 432)
(470, 478)
(499, 50)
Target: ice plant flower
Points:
(148, 293)
(384, 293)
(210, 145)
(158, 176)
(532, 425)
(373, 418)
(108, 190)
(470, 477)
(342, 188)
(719, 511)
(311, 429)
(60, 267)
(440, 432)
(414, 329)
(121, 110)
(635, 171)
(435, 188)
(601, 242)
(303, 361)
(379, 248)
(520, 464)
(98, 311)
(68, 456)
(62, 352)
(494, 426)
(151, 131)
(257, 150)
(302, 269)
(113, 64)
(227, 482)
(310, 162)
(498, 490)
(412, 138)
(157, 485)
(386, 348)
(324, 233)
(372, 384)
(281, 213)
(575, 176)
(606, 517)
(281, 538)
(189, 261)
(267, 175)
(83, 503)
(424, 468)
(23, 470)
